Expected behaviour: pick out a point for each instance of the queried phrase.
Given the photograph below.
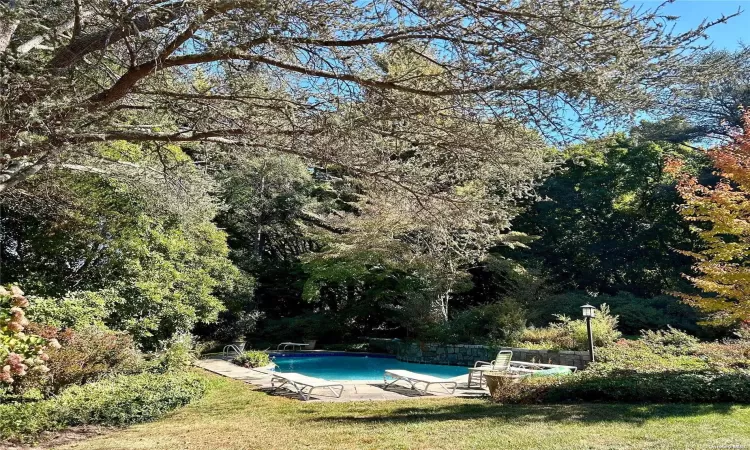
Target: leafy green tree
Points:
(271, 202)
(372, 287)
(307, 78)
(608, 221)
(156, 274)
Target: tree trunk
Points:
(442, 304)
(7, 28)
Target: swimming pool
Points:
(342, 366)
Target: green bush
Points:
(640, 357)
(323, 327)
(252, 358)
(672, 341)
(206, 347)
(636, 371)
(727, 355)
(689, 387)
(121, 400)
(175, 354)
(569, 334)
(634, 313)
(355, 347)
(494, 322)
(233, 325)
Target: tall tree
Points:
(607, 221)
(721, 214)
(276, 75)
(712, 91)
(151, 260)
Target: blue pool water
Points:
(357, 367)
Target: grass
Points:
(234, 416)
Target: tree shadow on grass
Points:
(583, 413)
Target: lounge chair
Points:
(501, 363)
(540, 369)
(294, 345)
(299, 383)
(414, 378)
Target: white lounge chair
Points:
(414, 378)
(530, 368)
(299, 383)
(286, 345)
(501, 363)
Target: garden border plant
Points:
(662, 367)
(252, 359)
(116, 401)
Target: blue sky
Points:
(692, 12)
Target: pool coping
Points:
(312, 353)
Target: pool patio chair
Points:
(293, 345)
(501, 363)
(300, 383)
(414, 378)
(522, 367)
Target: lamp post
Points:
(589, 312)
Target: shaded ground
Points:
(234, 415)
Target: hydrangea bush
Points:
(20, 352)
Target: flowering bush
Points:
(86, 355)
(20, 353)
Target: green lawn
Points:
(234, 416)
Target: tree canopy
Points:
(721, 216)
(347, 167)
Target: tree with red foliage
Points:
(721, 215)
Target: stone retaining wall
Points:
(467, 355)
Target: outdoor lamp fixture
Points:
(589, 312)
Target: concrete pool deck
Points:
(353, 390)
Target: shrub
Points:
(324, 327)
(252, 358)
(121, 400)
(177, 353)
(205, 347)
(21, 353)
(86, 355)
(634, 371)
(494, 322)
(692, 386)
(706, 386)
(672, 341)
(553, 337)
(634, 313)
(728, 355)
(355, 347)
(640, 357)
(569, 334)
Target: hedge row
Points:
(665, 387)
(120, 400)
